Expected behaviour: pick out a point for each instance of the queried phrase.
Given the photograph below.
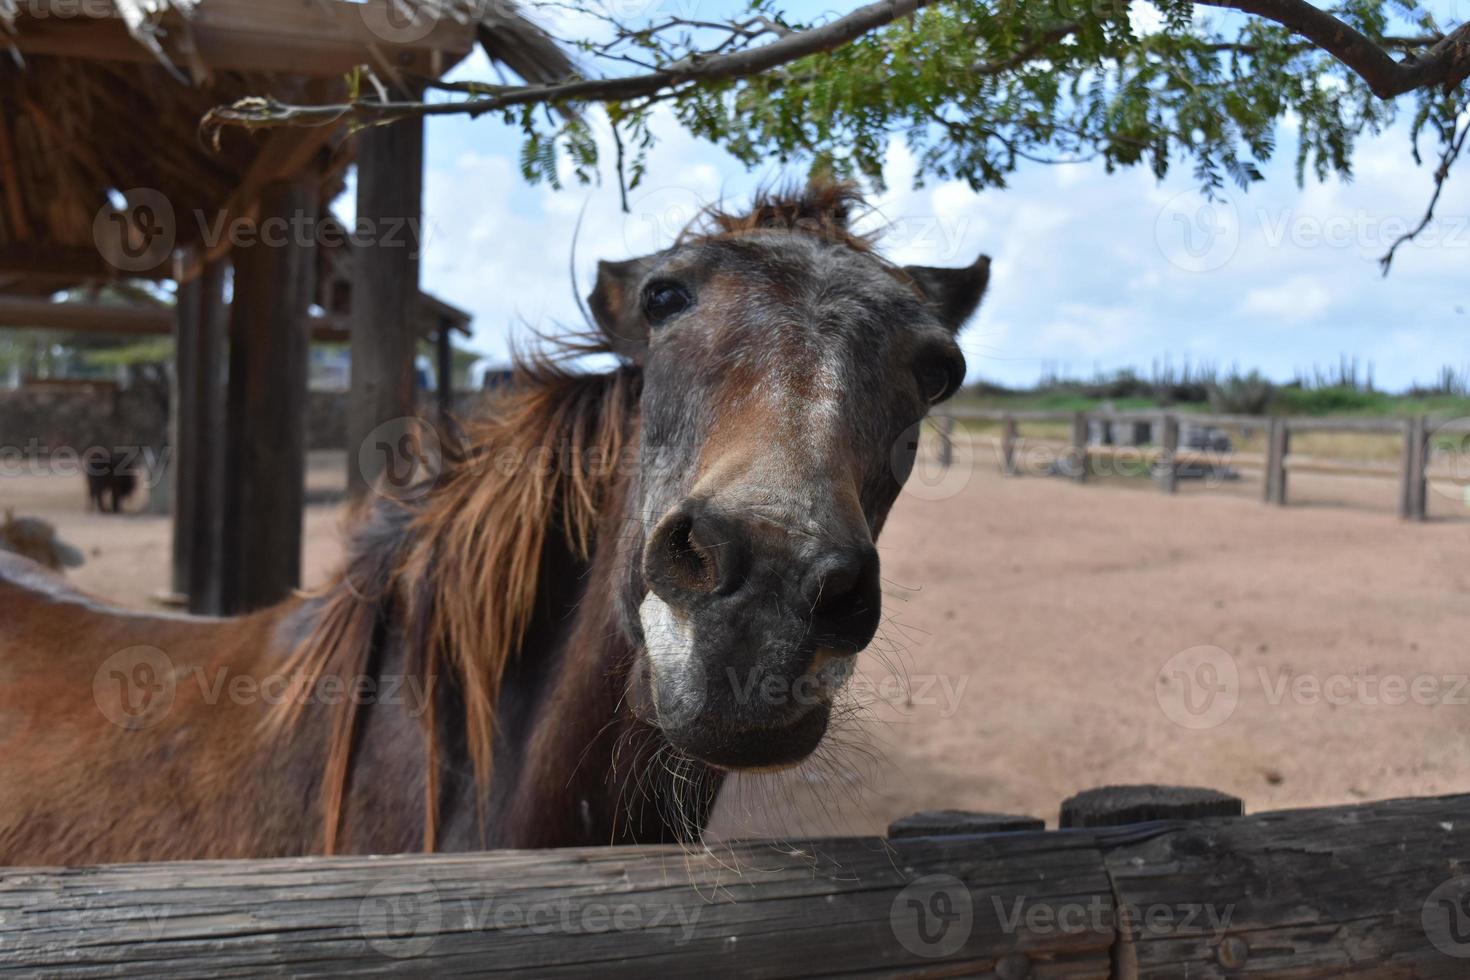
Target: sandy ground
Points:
(1044, 637)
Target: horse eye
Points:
(939, 377)
(664, 300)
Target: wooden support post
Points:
(265, 490)
(1413, 484)
(1166, 470)
(444, 383)
(1079, 447)
(1009, 437)
(203, 408)
(183, 421)
(1278, 446)
(945, 424)
(385, 289)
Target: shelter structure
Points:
(105, 176)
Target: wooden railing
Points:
(1165, 456)
(1143, 882)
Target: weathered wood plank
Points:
(1364, 890)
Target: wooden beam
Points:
(324, 39)
(1372, 890)
(266, 458)
(84, 317)
(66, 264)
(385, 287)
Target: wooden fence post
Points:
(1413, 491)
(1079, 447)
(946, 440)
(1276, 452)
(1167, 468)
(1008, 439)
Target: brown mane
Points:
(457, 570)
(822, 209)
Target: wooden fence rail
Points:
(1379, 889)
(1165, 457)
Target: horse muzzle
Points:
(750, 629)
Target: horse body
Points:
(617, 588)
(79, 786)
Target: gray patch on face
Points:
(833, 675)
(669, 642)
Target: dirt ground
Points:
(1044, 637)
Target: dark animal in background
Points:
(111, 479)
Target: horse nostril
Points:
(692, 554)
(845, 604)
(685, 561)
(834, 586)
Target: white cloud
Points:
(1297, 299)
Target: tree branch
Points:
(1452, 149)
(1447, 63)
(253, 113)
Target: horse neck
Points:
(572, 764)
(575, 765)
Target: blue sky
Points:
(1090, 269)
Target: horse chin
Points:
(732, 731)
(754, 750)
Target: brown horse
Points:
(626, 586)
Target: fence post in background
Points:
(1413, 491)
(1008, 439)
(1079, 447)
(1406, 476)
(1279, 445)
(1166, 470)
(946, 440)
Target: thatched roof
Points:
(93, 106)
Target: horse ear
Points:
(614, 305)
(953, 293)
